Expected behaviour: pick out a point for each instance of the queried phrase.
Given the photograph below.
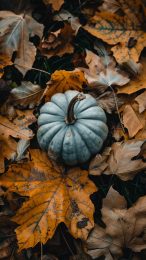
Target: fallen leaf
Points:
(8, 128)
(4, 61)
(54, 197)
(131, 121)
(110, 5)
(8, 148)
(56, 5)
(26, 95)
(137, 83)
(62, 81)
(103, 71)
(119, 30)
(58, 43)
(125, 228)
(15, 31)
(110, 161)
(64, 15)
(141, 100)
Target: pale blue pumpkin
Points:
(72, 126)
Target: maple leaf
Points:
(58, 43)
(54, 197)
(26, 95)
(15, 31)
(125, 228)
(119, 31)
(55, 4)
(62, 81)
(110, 161)
(103, 71)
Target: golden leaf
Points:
(55, 196)
(125, 33)
(62, 80)
(55, 4)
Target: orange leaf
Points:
(62, 80)
(55, 196)
(4, 61)
(55, 4)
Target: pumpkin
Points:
(72, 127)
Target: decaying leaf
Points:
(54, 197)
(119, 31)
(26, 95)
(125, 228)
(4, 61)
(110, 5)
(55, 4)
(62, 81)
(15, 31)
(121, 160)
(58, 43)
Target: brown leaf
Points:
(54, 197)
(99, 163)
(58, 43)
(62, 81)
(125, 228)
(110, 5)
(56, 5)
(64, 15)
(4, 61)
(26, 95)
(15, 31)
(137, 83)
(131, 121)
(119, 30)
(141, 100)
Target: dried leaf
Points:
(8, 128)
(27, 95)
(99, 163)
(141, 100)
(119, 30)
(131, 121)
(8, 148)
(4, 61)
(58, 43)
(110, 5)
(62, 80)
(56, 5)
(125, 228)
(54, 197)
(15, 31)
(137, 83)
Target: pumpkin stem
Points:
(70, 112)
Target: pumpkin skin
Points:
(74, 142)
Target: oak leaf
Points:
(125, 228)
(55, 4)
(15, 31)
(54, 197)
(119, 31)
(62, 81)
(26, 95)
(111, 163)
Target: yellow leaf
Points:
(62, 80)
(55, 4)
(122, 31)
(55, 196)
